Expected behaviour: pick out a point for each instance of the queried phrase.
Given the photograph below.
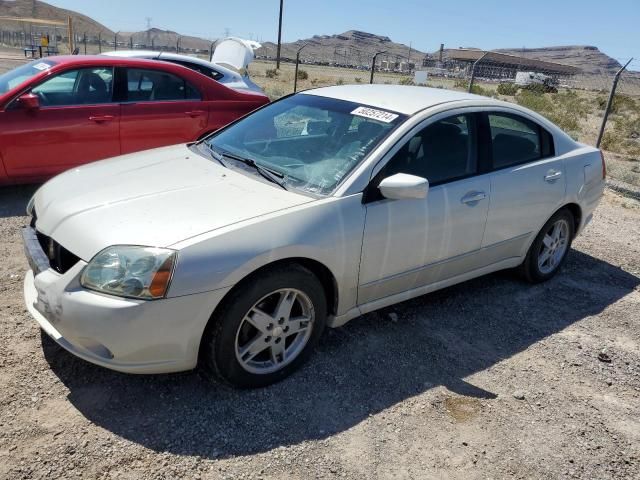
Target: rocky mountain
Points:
(586, 57)
(36, 9)
(349, 48)
(353, 47)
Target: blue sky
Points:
(612, 26)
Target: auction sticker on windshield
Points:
(375, 114)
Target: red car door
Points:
(76, 122)
(160, 109)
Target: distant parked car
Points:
(224, 75)
(235, 252)
(61, 112)
(539, 80)
(228, 65)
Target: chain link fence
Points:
(574, 99)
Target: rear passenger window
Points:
(155, 85)
(516, 140)
(442, 152)
(209, 72)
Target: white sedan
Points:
(235, 252)
(220, 73)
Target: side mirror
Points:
(29, 101)
(404, 186)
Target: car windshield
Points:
(17, 76)
(312, 141)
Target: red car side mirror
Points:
(29, 101)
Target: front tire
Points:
(549, 249)
(266, 328)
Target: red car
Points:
(60, 112)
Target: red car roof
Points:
(209, 86)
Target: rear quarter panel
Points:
(585, 184)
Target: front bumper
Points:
(133, 336)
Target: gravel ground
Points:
(492, 378)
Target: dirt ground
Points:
(492, 378)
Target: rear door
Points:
(159, 109)
(77, 122)
(527, 181)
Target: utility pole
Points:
(148, 19)
(70, 33)
(279, 35)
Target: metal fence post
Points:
(295, 76)
(373, 64)
(99, 42)
(473, 70)
(131, 42)
(178, 44)
(211, 49)
(84, 41)
(610, 103)
(279, 35)
(115, 41)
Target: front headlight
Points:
(130, 271)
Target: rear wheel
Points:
(549, 249)
(266, 329)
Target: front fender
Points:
(328, 231)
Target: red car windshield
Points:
(17, 76)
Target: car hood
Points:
(155, 198)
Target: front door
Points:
(160, 109)
(77, 123)
(412, 243)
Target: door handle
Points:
(552, 176)
(101, 118)
(473, 197)
(195, 113)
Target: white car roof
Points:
(398, 98)
(170, 56)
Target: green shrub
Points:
(461, 83)
(340, 81)
(358, 80)
(601, 102)
(622, 103)
(274, 93)
(537, 88)
(406, 81)
(478, 90)
(534, 101)
(509, 89)
(272, 73)
(303, 75)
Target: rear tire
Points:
(266, 328)
(549, 249)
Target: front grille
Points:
(60, 259)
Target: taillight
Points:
(604, 166)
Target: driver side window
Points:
(85, 86)
(442, 152)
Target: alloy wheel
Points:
(274, 331)
(554, 246)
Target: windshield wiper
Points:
(215, 154)
(271, 175)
